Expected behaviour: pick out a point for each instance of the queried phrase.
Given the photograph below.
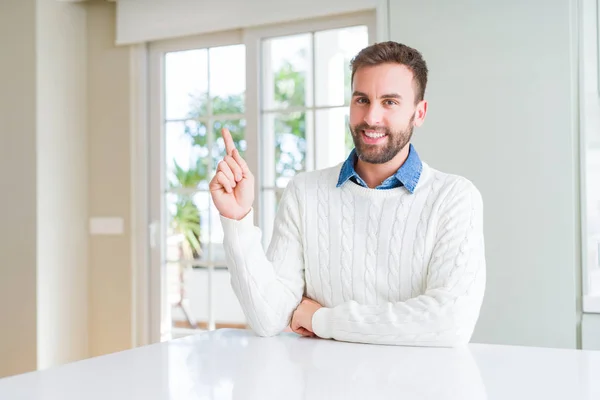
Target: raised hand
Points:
(232, 188)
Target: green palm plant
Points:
(186, 218)
(185, 221)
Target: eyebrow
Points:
(385, 96)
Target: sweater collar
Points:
(407, 175)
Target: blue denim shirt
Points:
(407, 175)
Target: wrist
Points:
(238, 216)
(322, 323)
(244, 214)
(238, 220)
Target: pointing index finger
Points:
(229, 145)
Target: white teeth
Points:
(374, 135)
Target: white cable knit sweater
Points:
(388, 266)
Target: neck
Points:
(375, 174)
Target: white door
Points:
(283, 92)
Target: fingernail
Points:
(238, 177)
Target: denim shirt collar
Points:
(407, 175)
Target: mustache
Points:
(367, 127)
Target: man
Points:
(380, 249)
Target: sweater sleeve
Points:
(446, 313)
(269, 285)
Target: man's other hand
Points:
(302, 317)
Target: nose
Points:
(374, 115)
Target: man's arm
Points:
(269, 286)
(445, 315)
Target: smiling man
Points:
(382, 248)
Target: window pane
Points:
(333, 51)
(237, 128)
(186, 84)
(187, 155)
(215, 239)
(334, 139)
(593, 218)
(195, 285)
(189, 226)
(269, 205)
(227, 79)
(284, 147)
(287, 66)
(590, 129)
(176, 275)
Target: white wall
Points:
(110, 307)
(18, 178)
(62, 179)
(43, 168)
(148, 20)
(503, 113)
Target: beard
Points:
(380, 154)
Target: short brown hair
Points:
(394, 53)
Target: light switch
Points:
(107, 226)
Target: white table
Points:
(234, 364)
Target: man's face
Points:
(383, 112)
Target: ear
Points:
(420, 112)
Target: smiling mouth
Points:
(372, 137)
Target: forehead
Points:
(383, 79)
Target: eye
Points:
(362, 100)
(390, 102)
